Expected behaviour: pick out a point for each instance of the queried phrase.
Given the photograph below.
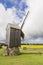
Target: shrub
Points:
(24, 48)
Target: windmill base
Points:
(11, 51)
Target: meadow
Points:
(28, 56)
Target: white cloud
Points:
(33, 26)
(6, 16)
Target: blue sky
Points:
(14, 11)
(20, 5)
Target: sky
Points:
(11, 11)
(33, 27)
(14, 11)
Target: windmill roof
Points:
(13, 26)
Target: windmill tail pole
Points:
(22, 34)
(24, 20)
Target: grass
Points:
(27, 57)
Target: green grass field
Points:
(27, 57)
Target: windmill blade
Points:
(22, 34)
(24, 20)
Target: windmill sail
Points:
(22, 34)
(24, 20)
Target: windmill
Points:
(13, 37)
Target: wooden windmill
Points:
(13, 37)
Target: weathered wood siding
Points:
(8, 36)
(13, 37)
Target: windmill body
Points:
(13, 35)
(13, 38)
